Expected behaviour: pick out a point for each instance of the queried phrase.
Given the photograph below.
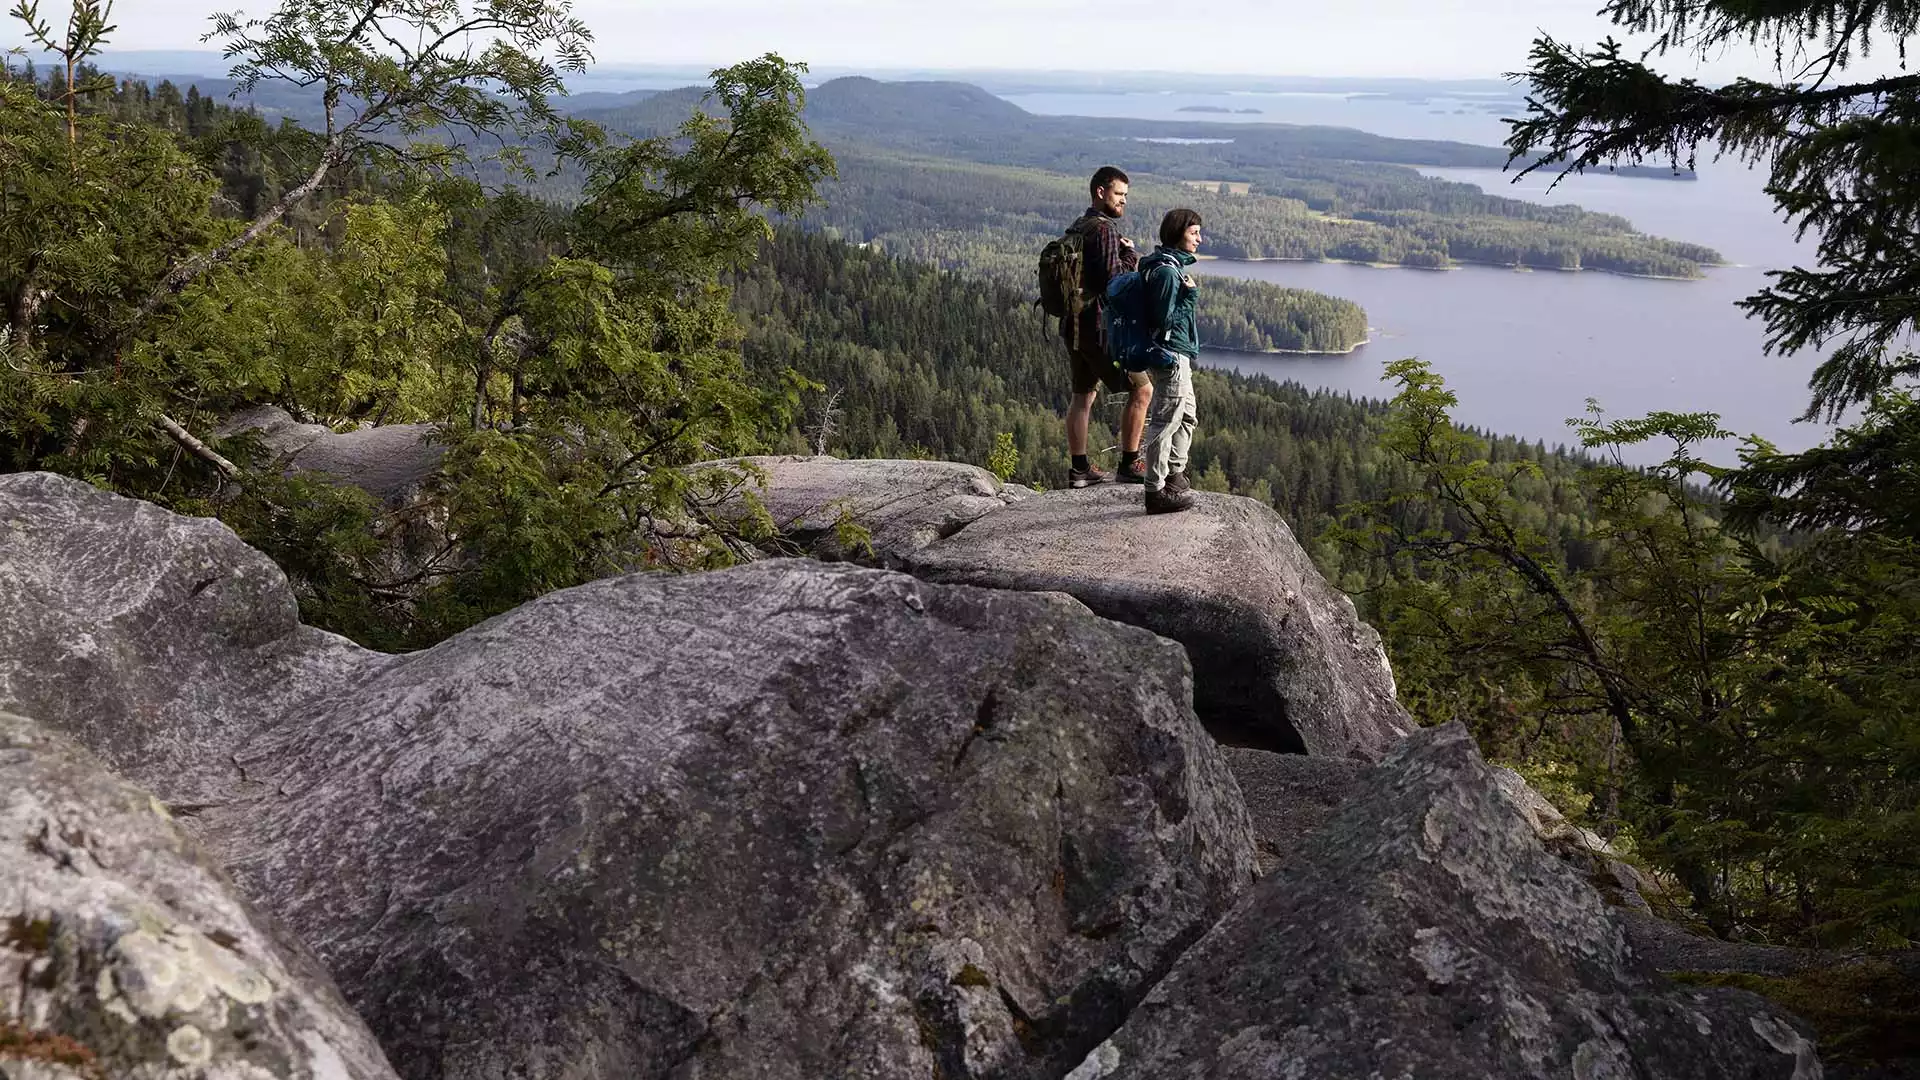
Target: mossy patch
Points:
(1865, 1011)
(968, 975)
(22, 1044)
(28, 935)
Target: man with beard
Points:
(1105, 254)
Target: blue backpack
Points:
(1132, 337)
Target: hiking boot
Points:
(1165, 501)
(1132, 472)
(1087, 477)
(1177, 482)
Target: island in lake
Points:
(1214, 109)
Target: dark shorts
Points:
(1090, 367)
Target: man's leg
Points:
(1133, 423)
(1084, 367)
(1079, 412)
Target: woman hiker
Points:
(1169, 305)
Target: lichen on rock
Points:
(124, 953)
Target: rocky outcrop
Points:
(798, 819)
(124, 951)
(1281, 660)
(903, 505)
(159, 642)
(1292, 796)
(793, 818)
(790, 819)
(1672, 948)
(1425, 932)
(391, 462)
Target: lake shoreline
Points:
(1348, 351)
(1462, 264)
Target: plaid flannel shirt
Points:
(1104, 258)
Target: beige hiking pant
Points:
(1170, 423)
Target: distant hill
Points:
(608, 99)
(960, 120)
(874, 107)
(951, 119)
(856, 106)
(940, 117)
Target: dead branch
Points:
(197, 448)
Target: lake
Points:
(1473, 119)
(1524, 350)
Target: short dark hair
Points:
(1105, 178)
(1173, 227)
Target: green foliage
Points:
(851, 536)
(1005, 458)
(326, 537)
(87, 28)
(121, 210)
(691, 202)
(1861, 481)
(575, 366)
(603, 361)
(1734, 709)
(87, 225)
(390, 70)
(1213, 478)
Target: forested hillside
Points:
(1317, 193)
(992, 221)
(924, 364)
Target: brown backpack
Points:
(1062, 268)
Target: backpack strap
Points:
(1155, 260)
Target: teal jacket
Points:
(1170, 302)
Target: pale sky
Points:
(1412, 38)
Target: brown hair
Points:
(1173, 227)
(1105, 178)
